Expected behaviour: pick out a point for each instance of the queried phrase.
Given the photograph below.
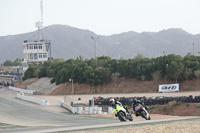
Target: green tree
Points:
(197, 74)
(89, 75)
(8, 63)
(187, 72)
(78, 71)
(104, 75)
(139, 56)
(175, 69)
(191, 61)
(31, 72)
(17, 62)
(80, 59)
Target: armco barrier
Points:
(74, 110)
(148, 101)
(32, 99)
(67, 106)
(22, 90)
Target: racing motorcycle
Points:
(142, 111)
(122, 113)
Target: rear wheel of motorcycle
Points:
(122, 117)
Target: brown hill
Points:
(69, 42)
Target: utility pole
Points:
(193, 47)
(95, 49)
(164, 52)
(71, 80)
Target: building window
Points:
(31, 56)
(35, 56)
(40, 55)
(35, 46)
(39, 46)
(31, 46)
(44, 55)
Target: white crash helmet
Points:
(112, 101)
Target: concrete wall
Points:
(23, 90)
(32, 99)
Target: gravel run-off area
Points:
(185, 126)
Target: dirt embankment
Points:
(23, 84)
(177, 109)
(124, 86)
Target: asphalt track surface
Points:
(15, 113)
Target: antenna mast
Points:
(42, 30)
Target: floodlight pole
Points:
(71, 80)
(193, 47)
(95, 50)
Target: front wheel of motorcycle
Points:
(122, 116)
(149, 118)
(131, 119)
(144, 115)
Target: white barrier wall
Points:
(79, 110)
(22, 90)
(99, 110)
(74, 110)
(32, 99)
(110, 110)
(87, 110)
(93, 110)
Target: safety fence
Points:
(148, 101)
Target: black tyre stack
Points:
(148, 101)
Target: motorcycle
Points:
(142, 111)
(122, 113)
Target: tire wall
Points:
(148, 101)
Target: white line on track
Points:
(5, 105)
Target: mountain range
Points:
(69, 42)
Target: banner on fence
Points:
(169, 88)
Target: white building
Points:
(34, 52)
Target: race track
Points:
(20, 114)
(38, 120)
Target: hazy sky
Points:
(104, 17)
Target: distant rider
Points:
(136, 103)
(114, 102)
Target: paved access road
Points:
(15, 113)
